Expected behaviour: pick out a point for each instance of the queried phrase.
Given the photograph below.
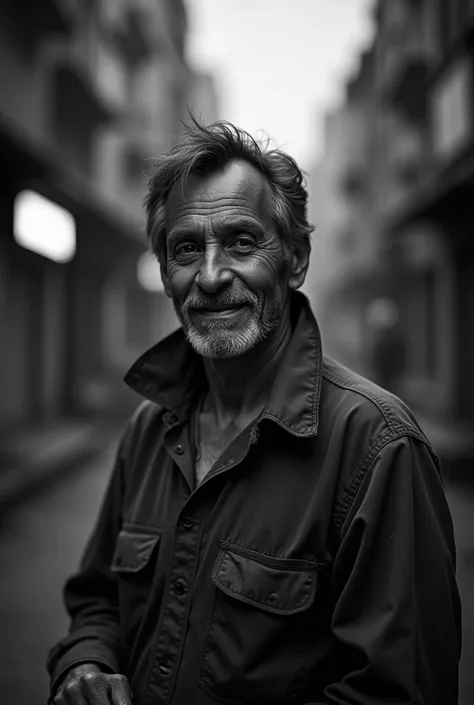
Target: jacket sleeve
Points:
(397, 611)
(91, 595)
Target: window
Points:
(111, 76)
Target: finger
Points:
(70, 694)
(95, 688)
(119, 689)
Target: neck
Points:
(239, 386)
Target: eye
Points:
(186, 249)
(244, 243)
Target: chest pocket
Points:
(133, 551)
(258, 638)
(134, 563)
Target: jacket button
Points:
(170, 417)
(179, 449)
(179, 588)
(186, 522)
(164, 666)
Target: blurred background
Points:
(375, 100)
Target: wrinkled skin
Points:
(88, 685)
(223, 250)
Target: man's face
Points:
(226, 265)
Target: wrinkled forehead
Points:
(238, 187)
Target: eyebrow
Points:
(180, 233)
(226, 227)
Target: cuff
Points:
(87, 651)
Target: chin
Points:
(224, 344)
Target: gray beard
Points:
(221, 340)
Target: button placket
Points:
(172, 626)
(164, 666)
(176, 444)
(179, 587)
(171, 418)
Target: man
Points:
(275, 529)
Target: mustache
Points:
(197, 300)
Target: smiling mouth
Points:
(220, 310)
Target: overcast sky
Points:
(279, 63)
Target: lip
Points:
(222, 307)
(220, 312)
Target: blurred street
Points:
(41, 542)
(374, 100)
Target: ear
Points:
(298, 268)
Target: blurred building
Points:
(415, 194)
(429, 86)
(343, 274)
(90, 91)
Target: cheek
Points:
(180, 280)
(263, 273)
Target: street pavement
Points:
(41, 543)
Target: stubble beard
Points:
(222, 339)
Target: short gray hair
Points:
(203, 150)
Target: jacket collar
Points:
(172, 375)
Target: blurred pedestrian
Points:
(275, 529)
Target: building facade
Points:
(89, 89)
(344, 267)
(416, 199)
(429, 88)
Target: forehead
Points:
(237, 189)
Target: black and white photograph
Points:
(237, 352)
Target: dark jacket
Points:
(315, 562)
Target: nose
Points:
(214, 272)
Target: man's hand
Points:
(87, 684)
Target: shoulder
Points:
(364, 409)
(371, 428)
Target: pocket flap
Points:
(279, 585)
(133, 550)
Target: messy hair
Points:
(205, 149)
